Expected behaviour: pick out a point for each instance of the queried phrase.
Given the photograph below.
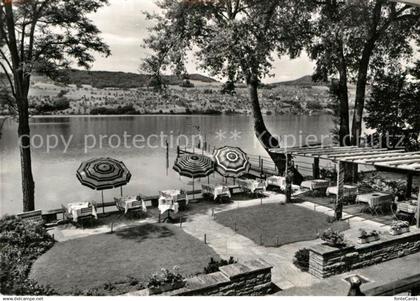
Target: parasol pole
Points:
(167, 157)
(418, 211)
(193, 190)
(103, 205)
(121, 190)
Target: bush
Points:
(165, 277)
(186, 84)
(333, 238)
(22, 242)
(377, 182)
(364, 234)
(301, 259)
(214, 265)
(58, 104)
(328, 173)
(124, 110)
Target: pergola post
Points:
(355, 172)
(340, 191)
(409, 185)
(315, 168)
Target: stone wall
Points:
(250, 278)
(325, 261)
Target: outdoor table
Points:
(217, 191)
(348, 191)
(375, 200)
(407, 209)
(317, 184)
(408, 206)
(175, 195)
(130, 203)
(76, 210)
(276, 181)
(167, 205)
(252, 186)
(170, 200)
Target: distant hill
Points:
(302, 81)
(104, 79)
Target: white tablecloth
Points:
(375, 199)
(276, 181)
(165, 205)
(315, 184)
(216, 190)
(174, 195)
(75, 209)
(348, 190)
(130, 202)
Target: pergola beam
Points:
(351, 152)
(397, 162)
(409, 2)
(391, 158)
(363, 158)
(407, 167)
(331, 152)
(302, 150)
(363, 154)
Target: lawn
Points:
(129, 255)
(276, 224)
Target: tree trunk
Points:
(264, 136)
(28, 185)
(363, 72)
(22, 83)
(359, 101)
(343, 95)
(266, 139)
(361, 92)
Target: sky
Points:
(124, 27)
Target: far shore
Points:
(162, 114)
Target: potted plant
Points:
(365, 237)
(165, 281)
(399, 227)
(333, 238)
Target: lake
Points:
(60, 144)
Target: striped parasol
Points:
(103, 173)
(194, 166)
(231, 161)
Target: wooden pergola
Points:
(350, 157)
(409, 2)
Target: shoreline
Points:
(319, 113)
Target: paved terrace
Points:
(226, 242)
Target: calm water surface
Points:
(54, 170)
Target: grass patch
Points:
(120, 262)
(273, 225)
